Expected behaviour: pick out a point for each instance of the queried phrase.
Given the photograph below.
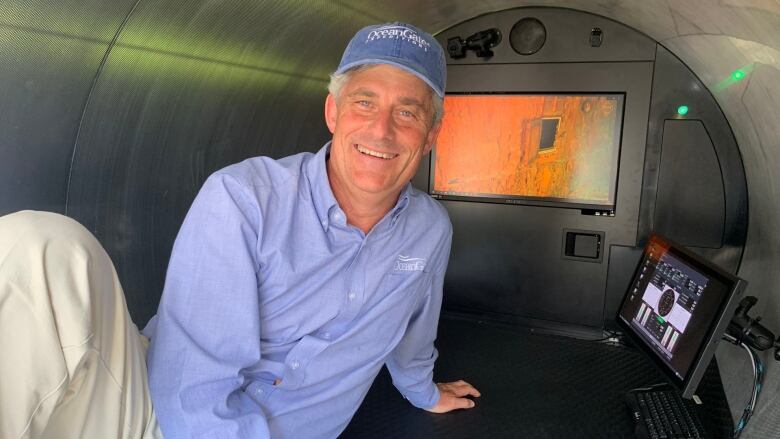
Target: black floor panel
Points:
(532, 385)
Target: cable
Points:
(758, 379)
(612, 335)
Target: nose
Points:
(383, 125)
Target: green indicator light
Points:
(682, 110)
(660, 319)
(737, 74)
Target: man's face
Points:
(382, 126)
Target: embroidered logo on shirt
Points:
(405, 263)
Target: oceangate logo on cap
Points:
(405, 263)
(398, 32)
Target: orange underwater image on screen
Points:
(556, 148)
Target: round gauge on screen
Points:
(665, 303)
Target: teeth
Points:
(381, 155)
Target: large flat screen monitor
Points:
(676, 310)
(546, 149)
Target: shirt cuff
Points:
(425, 399)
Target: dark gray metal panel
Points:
(622, 264)
(188, 88)
(690, 203)
(568, 33)
(674, 85)
(506, 258)
(50, 51)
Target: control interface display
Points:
(668, 301)
(673, 305)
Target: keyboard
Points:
(660, 413)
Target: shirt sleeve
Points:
(411, 362)
(208, 325)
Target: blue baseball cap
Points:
(400, 45)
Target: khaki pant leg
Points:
(72, 363)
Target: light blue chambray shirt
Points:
(268, 282)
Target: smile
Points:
(363, 150)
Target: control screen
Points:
(673, 305)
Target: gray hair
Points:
(337, 81)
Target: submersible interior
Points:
(114, 113)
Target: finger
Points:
(449, 402)
(467, 390)
(472, 390)
(454, 404)
(462, 388)
(462, 403)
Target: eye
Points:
(408, 114)
(363, 103)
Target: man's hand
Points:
(453, 396)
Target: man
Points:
(293, 281)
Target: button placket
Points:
(294, 375)
(354, 293)
(259, 391)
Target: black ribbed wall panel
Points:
(50, 53)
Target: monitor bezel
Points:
(569, 203)
(736, 286)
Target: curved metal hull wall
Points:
(114, 112)
(177, 100)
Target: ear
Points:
(430, 140)
(331, 112)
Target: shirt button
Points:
(259, 391)
(326, 335)
(351, 296)
(337, 216)
(295, 365)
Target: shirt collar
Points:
(325, 203)
(403, 202)
(321, 193)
